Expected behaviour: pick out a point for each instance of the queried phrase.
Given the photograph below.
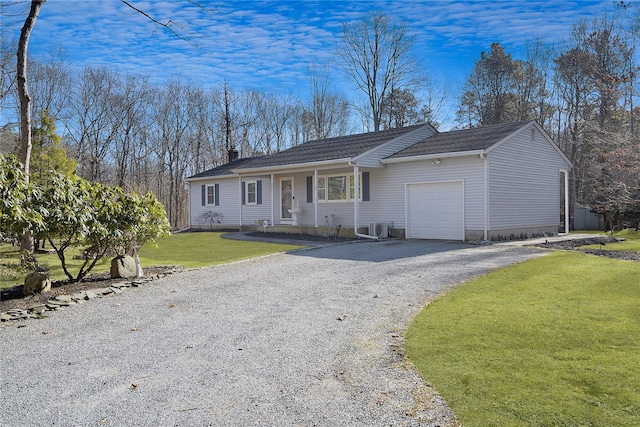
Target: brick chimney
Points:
(233, 154)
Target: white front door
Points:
(286, 198)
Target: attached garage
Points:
(435, 210)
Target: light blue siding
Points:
(524, 182)
(388, 188)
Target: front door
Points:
(286, 197)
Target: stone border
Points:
(59, 302)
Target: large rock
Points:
(123, 266)
(36, 283)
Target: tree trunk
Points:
(25, 102)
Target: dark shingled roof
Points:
(460, 140)
(222, 169)
(313, 151)
(328, 149)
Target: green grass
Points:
(190, 250)
(194, 250)
(550, 342)
(12, 274)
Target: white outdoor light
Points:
(436, 161)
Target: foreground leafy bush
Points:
(71, 212)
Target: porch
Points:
(322, 231)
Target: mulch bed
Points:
(13, 298)
(301, 237)
(603, 241)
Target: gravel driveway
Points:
(307, 338)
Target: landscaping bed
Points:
(578, 244)
(12, 298)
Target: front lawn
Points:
(190, 250)
(550, 342)
(11, 274)
(202, 249)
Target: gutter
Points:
(356, 184)
(431, 156)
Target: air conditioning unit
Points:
(379, 229)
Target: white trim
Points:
(293, 167)
(394, 140)
(566, 199)
(431, 156)
(240, 198)
(314, 189)
(273, 192)
(347, 175)
(207, 187)
(293, 194)
(255, 193)
(211, 178)
(485, 220)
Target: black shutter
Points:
(259, 192)
(244, 190)
(217, 195)
(203, 189)
(366, 194)
(309, 189)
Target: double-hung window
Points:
(336, 188)
(211, 195)
(252, 192)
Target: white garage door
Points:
(435, 210)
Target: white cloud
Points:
(256, 43)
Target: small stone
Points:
(78, 297)
(58, 303)
(90, 295)
(5, 317)
(38, 309)
(36, 283)
(64, 298)
(115, 290)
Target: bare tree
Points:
(50, 84)
(97, 119)
(488, 90)
(327, 114)
(7, 74)
(375, 55)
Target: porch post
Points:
(356, 207)
(315, 197)
(240, 200)
(273, 200)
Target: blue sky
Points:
(270, 44)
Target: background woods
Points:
(118, 129)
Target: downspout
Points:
(356, 205)
(486, 198)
